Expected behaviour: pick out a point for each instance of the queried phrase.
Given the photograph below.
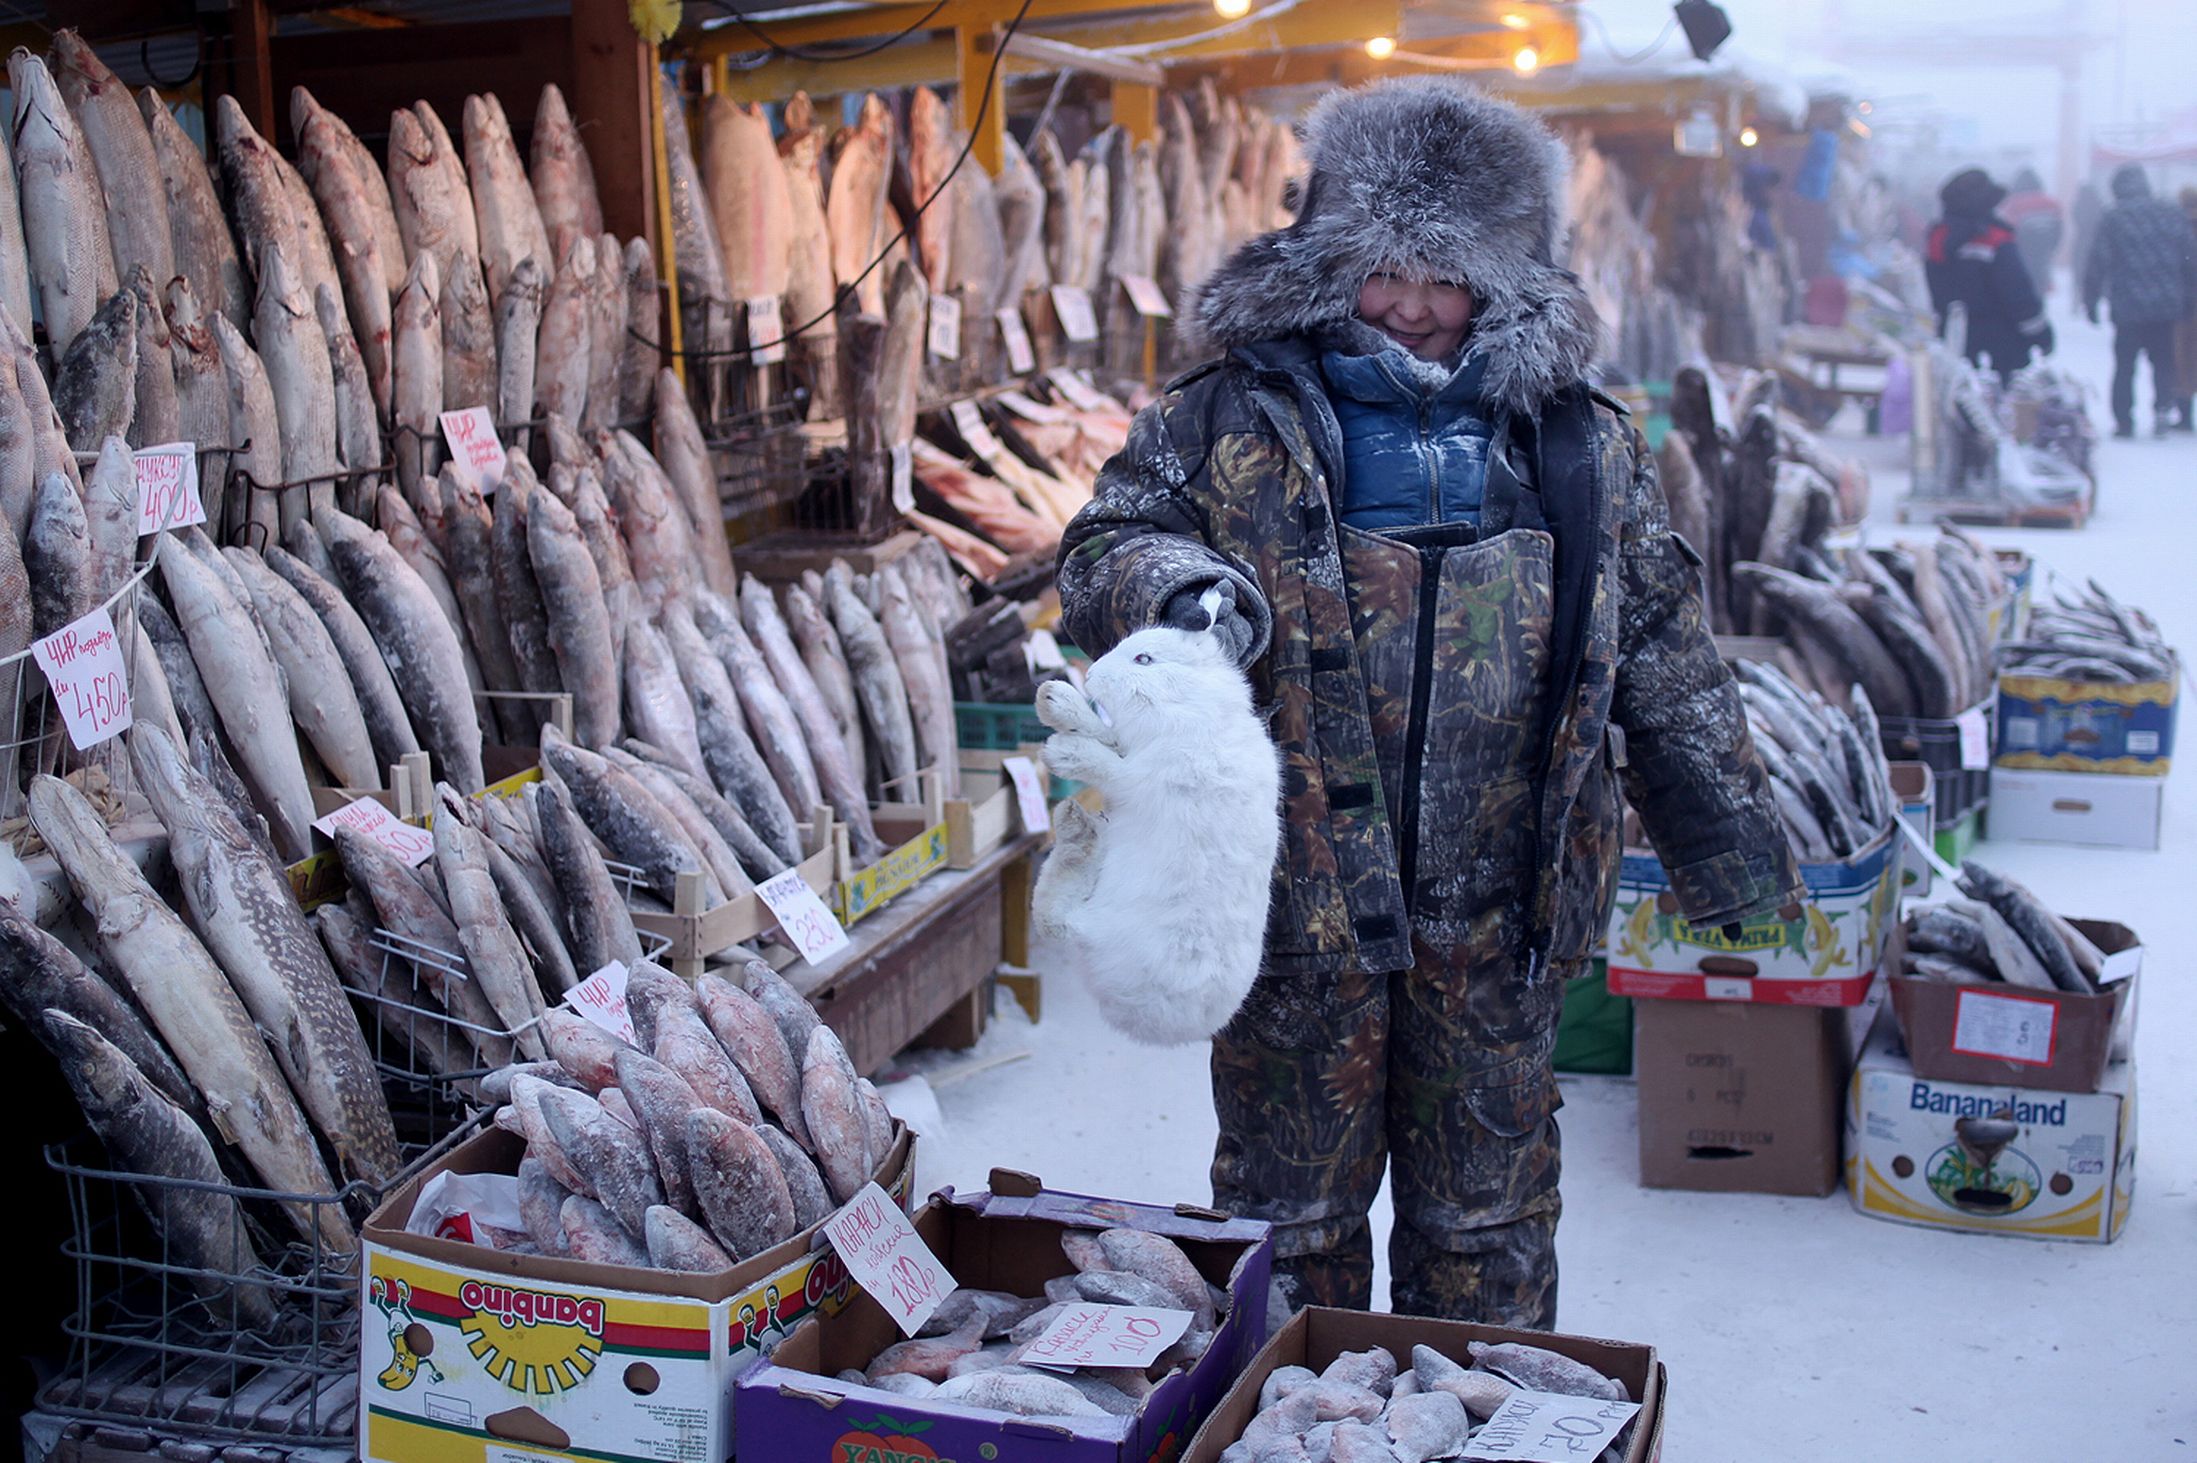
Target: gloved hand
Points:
(1186, 611)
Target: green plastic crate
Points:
(1595, 1034)
(985, 726)
(1956, 839)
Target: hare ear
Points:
(1210, 601)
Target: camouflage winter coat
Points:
(1233, 474)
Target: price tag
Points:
(167, 488)
(2120, 965)
(1146, 295)
(802, 916)
(969, 422)
(887, 1258)
(407, 842)
(601, 999)
(902, 457)
(1103, 1335)
(2012, 1028)
(946, 327)
(1021, 355)
(475, 454)
(1080, 396)
(1072, 306)
(1031, 410)
(83, 663)
(766, 330)
(1543, 1427)
(1029, 793)
(1975, 739)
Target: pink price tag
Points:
(407, 842)
(1021, 355)
(601, 1000)
(802, 916)
(167, 488)
(476, 456)
(83, 664)
(887, 1258)
(1975, 740)
(1103, 1335)
(1029, 794)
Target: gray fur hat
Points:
(1430, 179)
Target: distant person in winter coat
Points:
(2144, 264)
(1974, 261)
(2039, 225)
(1446, 563)
(2185, 341)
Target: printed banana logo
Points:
(393, 1298)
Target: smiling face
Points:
(1429, 320)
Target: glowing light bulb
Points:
(1380, 48)
(1748, 137)
(1526, 61)
(1232, 9)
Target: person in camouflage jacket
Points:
(1455, 703)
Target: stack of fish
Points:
(705, 1142)
(2090, 636)
(1014, 500)
(971, 1351)
(1364, 1408)
(1911, 623)
(2000, 932)
(1827, 767)
(1649, 333)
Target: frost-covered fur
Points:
(1427, 178)
(1161, 901)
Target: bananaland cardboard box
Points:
(475, 1355)
(2047, 724)
(1742, 1097)
(1989, 1158)
(795, 1409)
(2096, 809)
(1823, 951)
(1315, 1336)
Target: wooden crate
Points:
(696, 932)
(985, 816)
(916, 843)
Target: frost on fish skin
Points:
(591, 1234)
(796, 1018)
(1162, 1261)
(582, 1048)
(1026, 1394)
(541, 1203)
(1373, 1369)
(660, 1100)
(738, 1184)
(685, 1045)
(649, 989)
(758, 1049)
(1540, 1370)
(676, 1242)
(812, 1201)
(1426, 1426)
(612, 1155)
(831, 1109)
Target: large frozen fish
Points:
(736, 766)
(64, 217)
(705, 301)
(854, 210)
(201, 391)
(777, 730)
(562, 355)
(739, 1185)
(839, 776)
(295, 353)
(198, 234)
(493, 954)
(191, 1003)
(122, 154)
(755, 858)
(758, 1049)
(307, 117)
(18, 450)
(110, 520)
(358, 419)
(427, 185)
(601, 928)
(657, 706)
(924, 671)
(518, 588)
(316, 258)
(685, 458)
(606, 335)
(577, 619)
(878, 683)
(468, 338)
(45, 974)
(416, 383)
(518, 328)
(638, 352)
(468, 537)
(322, 700)
(57, 557)
(258, 196)
(505, 214)
(155, 419)
(632, 825)
(659, 540)
(827, 666)
(564, 179)
(95, 386)
(408, 534)
(15, 264)
(381, 705)
(748, 197)
(255, 431)
(349, 210)
(701, 834)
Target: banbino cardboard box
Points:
(1821, 952)
(1986, 1157)
(794, 1409)
(475, 1355)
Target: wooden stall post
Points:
(612, 93)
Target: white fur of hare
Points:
(1161, 901)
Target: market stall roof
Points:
(1669, 83)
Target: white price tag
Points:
(802, 916)
(1104, 1335)
(766, 330)
(1727, 988)
(1544, 1427)
(167, 488)
(83, 664)
(601, 999)
(1079, 394)
(887, 1258)
(1072, 306)
(2012, 1028)
(1021, 355)
(969, 422)
(1975, 739)
(1145, 293)
(946, 327)
(408, 842)
(1029, 793)
(902, 457)
(2120, 965)
(475, 454)
(1031, 410)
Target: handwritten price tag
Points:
(601, 999)
(1543, 1427)
(887, 1258)
(167, 488)
(1975, 740)
(902, 458)
(1145, 293)
(369, 817)
(1030, 409)
(1080, 395)
(946, 327)
(1103, 1335)
(2013, 1028)
(969, 422)
(83, 663)
(1072, 304)
(1029, 793)
(766, 330)
(476, 456)
(1021, 355)
(802, 916)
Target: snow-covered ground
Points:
(1791, 1328)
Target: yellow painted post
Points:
(1137, 110)
(973, 48)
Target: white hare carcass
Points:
(1161, 901)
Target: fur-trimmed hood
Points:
(1429, 179)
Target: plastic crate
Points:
(1937, 744)
(984, 726)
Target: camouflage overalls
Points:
(1420, 1025)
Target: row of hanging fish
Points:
(1015, 492)
(1827, 766)
(2001, 932)
(2085, 634)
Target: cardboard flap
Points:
(1013, 1183)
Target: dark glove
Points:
(1237, 634)
(2091, 310)
(2046, 340)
